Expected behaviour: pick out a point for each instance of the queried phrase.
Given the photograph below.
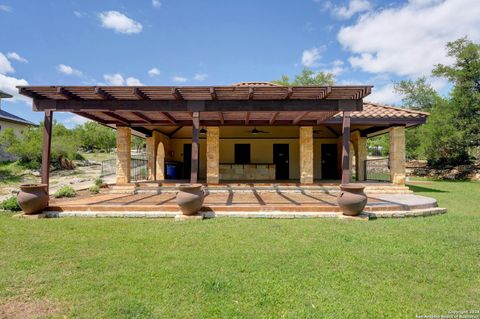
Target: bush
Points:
(10, 204)
(98, 182)
(94, 189)
(65, 191)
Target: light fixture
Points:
(203, 131)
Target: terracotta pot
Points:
(352, 199)
(190, 198)
(33, 198)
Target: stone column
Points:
(151, 156)
(213, 154)
(360, 146)
(161, 146)
(397, 155)
(306, 154)
(123, 154)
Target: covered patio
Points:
(247, 132)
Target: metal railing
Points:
(138, 168)
(377, 169)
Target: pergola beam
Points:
(247, 118)
(200, 105)
(169, 117)
(140, 95)
(176, 94)
(221, 117)
(213, 94)
(143, 117)
(118, 117)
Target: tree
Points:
(95, 136)
(417, 95)
(307, 77)
(464, 73)
(28, 146)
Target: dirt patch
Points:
(27, 308)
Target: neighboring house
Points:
(8, 120)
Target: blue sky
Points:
(187, 42)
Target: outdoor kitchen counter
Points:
(253, 171)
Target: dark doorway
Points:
(281, 160)
(242, 153)
(187, 160)
(330, 161)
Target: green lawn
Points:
(239, 268)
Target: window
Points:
(242, 153)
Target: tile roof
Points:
(378, 111)
(13, 118)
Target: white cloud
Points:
(179, 79)
(68, 70)
(5, 8)
(385, 94)
(119, 22)
(17, 57)
(79, 14)
(76, 120)
(5, 66)
(8, 84)
(131, 81)
(409, 40)
(310, 57)
(118, 80)
(200, 76)
(354, 7)
(336, 68)
(114, 79)
(156, 3)
(154, 72)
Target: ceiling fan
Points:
(256, 131)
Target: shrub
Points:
(94, 189)
(98, 182)
(65, 191)
(10, 204)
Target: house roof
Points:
(378, 111)
(4, 115)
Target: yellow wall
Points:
(261, 146)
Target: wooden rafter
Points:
(169, 117)
(140, 95)
(92, 117)
(247, 118)
(274, 117)
(143, 117)
(300, 117)
(213, 94)
(67, 94)
(176, 94)
(118, 117)
(251, 92)
(103, 94)
(289, 93)
(220, 116)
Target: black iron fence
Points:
(377, 169)
(138, 168)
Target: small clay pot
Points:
(352, 199)
(190, 198)
(33, 198)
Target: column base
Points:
(181, 217)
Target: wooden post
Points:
(194, 167)
(47, 146)
(346, 148)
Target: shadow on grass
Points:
(421, 189)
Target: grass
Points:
(239, 268)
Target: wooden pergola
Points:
(147, 107)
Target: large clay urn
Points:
(190, 198)
(352, 199)
(33, 198)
